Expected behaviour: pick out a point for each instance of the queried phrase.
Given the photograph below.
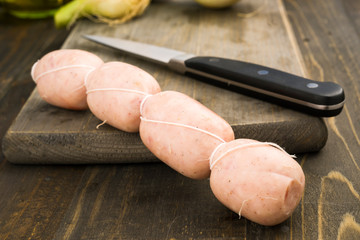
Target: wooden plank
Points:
(329, 39)
(34, 199)
(128, 202)
(45, 134)
(329, 210)
(18, 52)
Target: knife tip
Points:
(86, 36)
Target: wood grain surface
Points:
(151, 201)
(46, 134)
(329, 41)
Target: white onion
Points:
(109, 11)
(216, 3)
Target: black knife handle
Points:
(321, 96)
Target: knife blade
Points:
(323, 99)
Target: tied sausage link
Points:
(115, 92)
(60, 75)
(257, 180)
(182, 132)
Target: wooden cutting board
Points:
(253, 30)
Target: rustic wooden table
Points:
(151, 201)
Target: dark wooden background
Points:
(48, 135)
(151, 201)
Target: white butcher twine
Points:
(116, 89)
(183, 125)
(57, 69)
(175, 124)
(213, 162)
(252, 198)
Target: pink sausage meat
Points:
(258, 181)
(176, 138)
(115, 91)
(60, 76)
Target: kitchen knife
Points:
(324, 99)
